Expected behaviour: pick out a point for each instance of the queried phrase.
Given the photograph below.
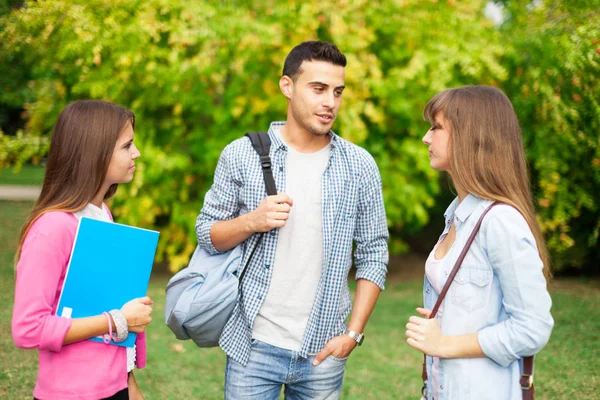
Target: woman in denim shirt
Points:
(497, 310)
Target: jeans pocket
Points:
(470, 289)
(338, 359)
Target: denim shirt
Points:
(500, 293)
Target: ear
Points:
(287, 86)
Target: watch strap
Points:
(358, 337)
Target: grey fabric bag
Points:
(202, 296)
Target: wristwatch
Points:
(358, 337)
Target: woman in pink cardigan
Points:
(91, 152)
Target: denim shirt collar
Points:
(461, 210)
(278, 143)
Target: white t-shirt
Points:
(282, 319)
(437, 279)
(91, 211)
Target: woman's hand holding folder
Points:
(138, 313)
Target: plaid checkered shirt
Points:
(353, 211)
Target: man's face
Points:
(316, 95)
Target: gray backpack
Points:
(202, 296)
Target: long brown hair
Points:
(486, 152)
(81, 148)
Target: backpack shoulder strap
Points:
(262, 144)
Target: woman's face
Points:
(122, 163)
(438, 140)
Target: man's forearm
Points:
(225, 235)
(341, 346)
(367, 294)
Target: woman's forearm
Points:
(462, 346)
(88, 327)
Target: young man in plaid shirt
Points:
(289, 328)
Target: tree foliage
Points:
(19, 149)
(554, 68)
(200, 74)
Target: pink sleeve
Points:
(39, 270)
(140, 350)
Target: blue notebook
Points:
(110, 265)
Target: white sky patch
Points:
(495, 12)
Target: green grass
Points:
(385, 367)
(28, 175)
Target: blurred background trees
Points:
(200, 74)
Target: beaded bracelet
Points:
(106, 338)
(122, 330)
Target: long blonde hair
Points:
(81, 148)
(486, 154)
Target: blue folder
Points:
(110, 265)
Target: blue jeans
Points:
(270, 367)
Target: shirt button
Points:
(427, 290)
(273, 232)
(267, 266)
(441, 387)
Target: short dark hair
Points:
(312, 51)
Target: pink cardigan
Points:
(85, 370)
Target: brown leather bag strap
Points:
(459, 261)
(526, 380)
(451, 277)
